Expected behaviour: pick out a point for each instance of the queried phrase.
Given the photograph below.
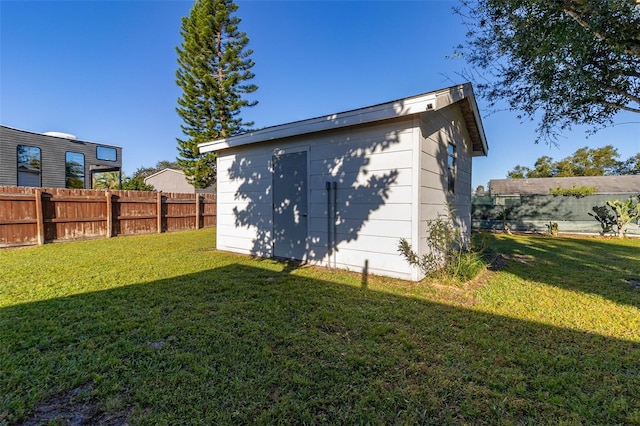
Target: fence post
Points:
(39, 216)
(197, 211)
(159, 208)
(109, 215)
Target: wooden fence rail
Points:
(38, 215)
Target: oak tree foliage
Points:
(144, 171)
(584, 162)
(562, 62)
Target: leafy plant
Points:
(564, 63)
(113, 180)
(578, 192)
(135, 183)
(106, 180)
(504, 215)
(604, 216)
(584, 162)
(626, 212)
(448, 254)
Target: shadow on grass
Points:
(605, 267)
(246, 345)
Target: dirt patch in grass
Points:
(635, 283)
(70, 408)
(501, 261)
(498, 263)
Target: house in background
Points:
(530, 204)
(53, 159)
(171, 180)
(342, 190)
(504, 188)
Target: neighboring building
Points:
(53, 160)
(171, 180)
(627, 184)
(530, 206)
(341, 190)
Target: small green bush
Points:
(625, 213)
(448, 255)
(605, 218)
(578, 192)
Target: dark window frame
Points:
(105, 157)
(67, 176)
(18, 162)
(452, 160)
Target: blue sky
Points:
(105, 71)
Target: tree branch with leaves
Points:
(562, 62)
(583, 162)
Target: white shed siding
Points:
(244, 185)
(372, 167)
(438, 129)
(461, 200)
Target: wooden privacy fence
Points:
(38, 215)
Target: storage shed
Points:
(342, 189)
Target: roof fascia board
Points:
(476, 114)
(431, 101)
(399, 108)
(461, 92)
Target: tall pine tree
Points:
(214, 70)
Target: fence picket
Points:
(31, 216)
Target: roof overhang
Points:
(431, 101)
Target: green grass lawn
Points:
(162, 329)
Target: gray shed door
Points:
(290, 205)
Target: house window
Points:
(29, 166)
(106, 153)
(451, 167)
(74, 170)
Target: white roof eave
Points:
(432, 101)
(334, 121)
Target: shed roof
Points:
(431, 101)
(535, 186)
